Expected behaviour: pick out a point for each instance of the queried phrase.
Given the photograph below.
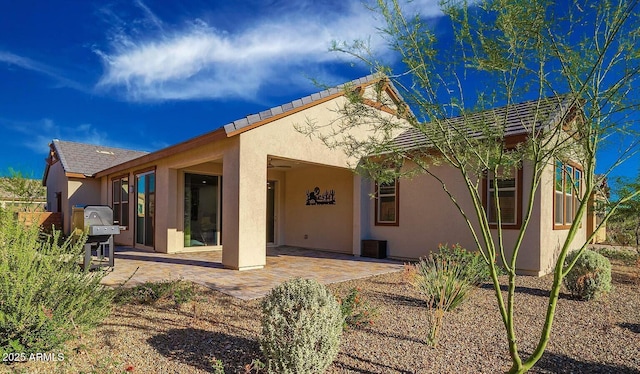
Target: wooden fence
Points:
(46, 220)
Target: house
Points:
(69, 175)
(259, 182)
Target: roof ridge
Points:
(98, 145)
(294, 104)
(510, 105)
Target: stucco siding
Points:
(57, 182)
(427, 218)
(80, 192)
(328, 227)
(551, 240)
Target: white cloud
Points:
(198, 61)
(29, 64)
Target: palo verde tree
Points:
(576, 63)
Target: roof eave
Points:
(215, 135)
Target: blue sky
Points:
(147, 74)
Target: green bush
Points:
(472, 263)
(301, 327)
(46, 298)
(356, 310)
(447, 276)
(590, 277)
(179, 291)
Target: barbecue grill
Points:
(97, 222)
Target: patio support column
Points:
(244, 207)
(357, 216)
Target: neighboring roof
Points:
(87, 159)
(298, 103)
(251, 121)
(515, 119)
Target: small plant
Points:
(590, 277)
(301, 327)
(445, 278)
(217, 366)
(472, 264)
(356, 310)
(255, 366)
(178, 291)
(448, 274)
(435, 316)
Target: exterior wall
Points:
(427, 217)
(529, 255)
(82, 191)
(57, 182)
(327, 227)
(551, 239)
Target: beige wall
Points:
(551, 240)
(427, 217)
(327, 227)
(57, 182)
(83, 191)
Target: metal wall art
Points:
(315, 197)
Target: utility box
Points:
(374, 248)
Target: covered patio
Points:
(205, 268)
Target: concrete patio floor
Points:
(205, 268)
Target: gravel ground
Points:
(600, 336)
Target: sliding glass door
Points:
(202, 210)
(146, 208)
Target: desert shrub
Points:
(590, 277)
(473, 265)
(447, 276)
(45, 296)
(178, 291)
(356, 310)
(301, 327)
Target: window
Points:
(566, 194)
(387, 203)
(506, 193)
(121, 201)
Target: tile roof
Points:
(253, 118)
(515, 119)
(88, 159)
